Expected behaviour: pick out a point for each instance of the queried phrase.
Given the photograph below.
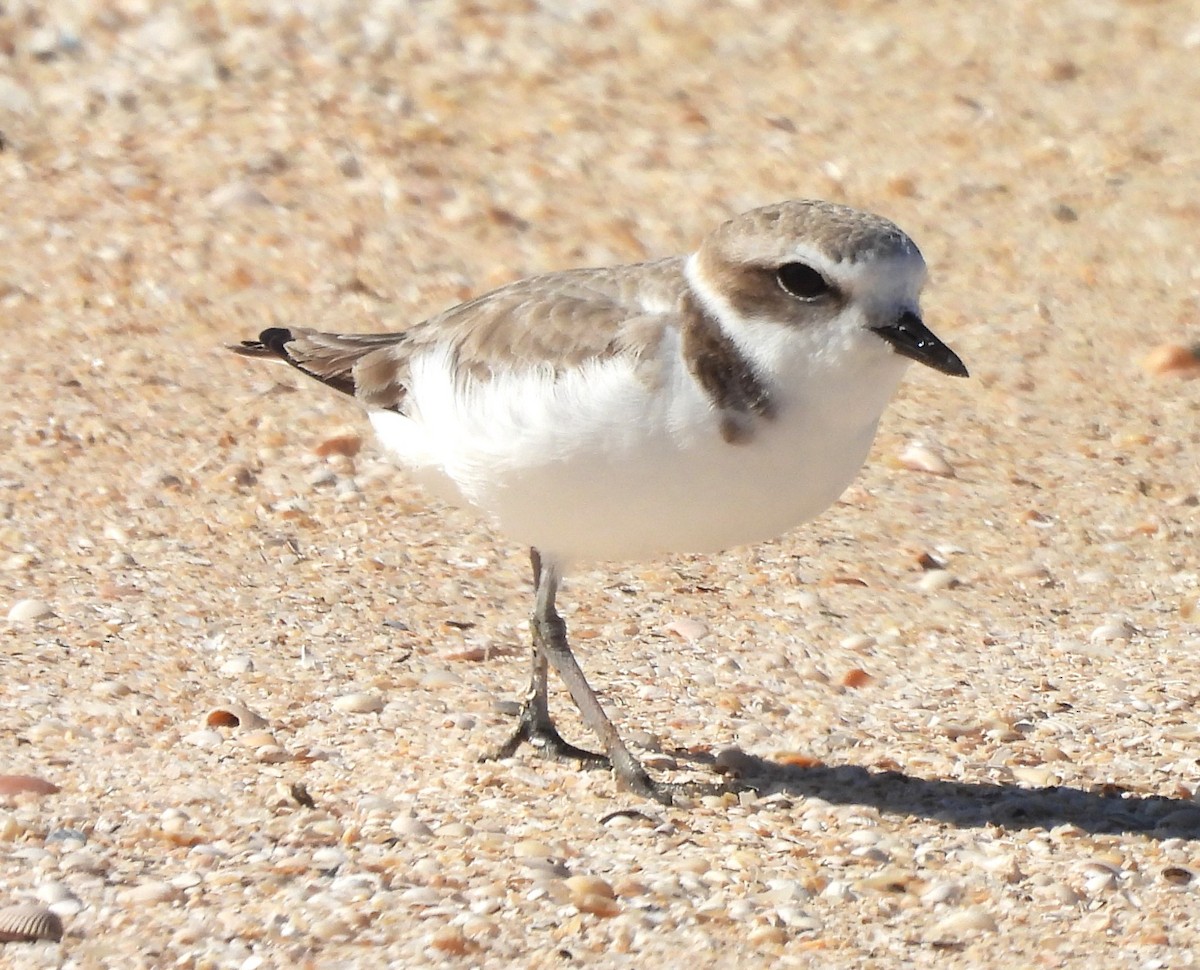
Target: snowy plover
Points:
(685, 405)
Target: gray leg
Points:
(534, 724)
(551, 636)
(550, 648)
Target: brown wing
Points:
(558, 320)
(561, 319)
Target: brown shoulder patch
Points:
(724, 372)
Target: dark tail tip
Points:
(275, 339)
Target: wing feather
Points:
(560, 320)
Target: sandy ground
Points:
(987, 764)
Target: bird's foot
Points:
(535, 728)
(539, 732)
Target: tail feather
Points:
(365, 366)
(270, 343)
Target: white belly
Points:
(599, 466)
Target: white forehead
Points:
(899, 273)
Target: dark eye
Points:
(802, 281)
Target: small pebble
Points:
(797, 919)
(29, 610)
(767, 934)
(408, 828)
(360, 702)
(968, 922)
(349, 165)
(597, 905)
(187, 880)
(1118, 629)
(420, 896)
(944, 891)
(19, 784)
(110, 689)
(590, 886)
(687, 629)
(53, 892)
(204, 739)
(856, 678)
(451, 940)
(937, 579)
(328, 858)
(532, 849)
(271, 754)
(1062, 894)
(547, 866)
(10, 828)
(236, 666)
(735, 761)
(149, 892)
(920, 457)
(439, 677)
(59, 899)
(237, 194)
(321, 477)
(346, 445)
(1173, 360)
(67, 835)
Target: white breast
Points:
(600, 465)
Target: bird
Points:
(683, 405)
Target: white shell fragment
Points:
(29, 924)
(360, 702)
(1116, 629)
(920, 457)
(965, 923)
(235, 716)
(28, 610)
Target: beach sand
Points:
(260, 666)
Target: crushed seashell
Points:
(920, 457)
(29, 924)
(29, 610)
(20, 784)
(1173, 360)
(235, 716)
(360, 702)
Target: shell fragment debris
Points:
(235, 716)
(19, 784)
(1173, 360)
(29, 610)
(360, 702)
(920, 457)
(29, 924)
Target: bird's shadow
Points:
(975, 804)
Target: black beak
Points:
(909, 336)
